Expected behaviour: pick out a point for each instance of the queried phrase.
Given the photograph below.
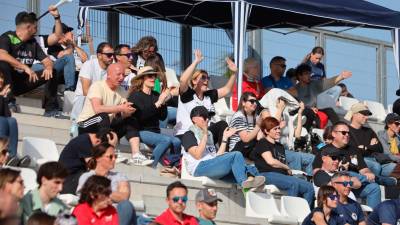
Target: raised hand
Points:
(346, 74)
(198, 56)
(231, 65)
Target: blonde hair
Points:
(196, 74)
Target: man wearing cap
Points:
(207, 205)
(389, 137)
(366, 141)
(351, 161)
(104, 106)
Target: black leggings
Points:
(217, 130)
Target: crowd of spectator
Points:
(128, 92)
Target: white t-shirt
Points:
(90, 70)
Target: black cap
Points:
(330, 150)
(207, 195)
(199, 111)
(64, 27)
(398, 92)
(392, 117)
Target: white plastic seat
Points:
(377, 109)
(68, 101)
(295, 207)
(319, 132)
(221, 108)
(390, 108)
(263, 205)
(40, 150)
(346, 102)
(29, 177)
(205, 181)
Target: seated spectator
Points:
(50, 178)
(124, 56)
(8, 124)
(105, 107)
(101, 164)
(12, 183)
(177, 196)
(386, 213)
(95, 204)
(276, 78)
(349, 209)
(201, 154)
(18, 50)
(345, 92)
(365, 140)
(389, 138)
(77, 153)
(207, 205)
(62, 53)
(92, 70)
(144, 48)
(351, 161)
(291, 75)
(325, 213)
(250, 83)
(313, 59)
(194, 91)
(308, 90)
(150, 108)
(41, 218)
(270, 159)
(396, 104)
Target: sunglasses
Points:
(281, 65)
(345, 183)
(334, 158)
(343, 132)
(128, 55)
(205, 77)
(150, 75)
(108, 54)
(333, 197)
(176, 199)
(252, 101)
(397, 123)
(111, 157)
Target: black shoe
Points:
(12, 161)
(55, 114)
(25, 161)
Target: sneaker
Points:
(121, 159)
(55, 114)
(73, 131)
(14, 107)
(24, 161)
(140, 160)
(254, 182)
(13, 161)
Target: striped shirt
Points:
(240, 122)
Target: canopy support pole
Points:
(396, 50)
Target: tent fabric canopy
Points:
(264, 13)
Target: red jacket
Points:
(167, 218)
(247, 86)
(86, 216)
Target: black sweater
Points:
(363, 136)
(147, 116)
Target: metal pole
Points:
(113, 28)
(34, 6)
(242, 32)
(186, 46)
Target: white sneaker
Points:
(140, 160)
(121, 159)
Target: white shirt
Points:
(90, 70)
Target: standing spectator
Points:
(194, 92)
(50, 178)
(104, 106)
(150, 108)
(12, 183)
(176, 200)
(92, 70)
(325, 212)
(77, 153)
(349, 209)
(207, 205)
(389, 137)
(124, 56)
(386, 213)
(276, 78)
(18, 50)
(95, 204)
(201, 154)
(270, 159)
(353, 162)
(251, 81)
(366, 141)
(144, 48)
(313, 59)
(101, 164)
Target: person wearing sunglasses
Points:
(101, 164)
(194, 91)
(123, 55)
(207, 205)
(144, 48)
(95, 203)
(352, 161)
(367, 142)
(389, 137)
(177, 197)
(324, 213)
(12, 183)
(347, 208)
(276, 79)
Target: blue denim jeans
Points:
(292, 185)
(126, 213)
(379, 169)
(225, 167)
(160, 143)
(300, 161)
(171, 117)
(369, 190)
(9, 129)
(66, 65)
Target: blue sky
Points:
(340, 55)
